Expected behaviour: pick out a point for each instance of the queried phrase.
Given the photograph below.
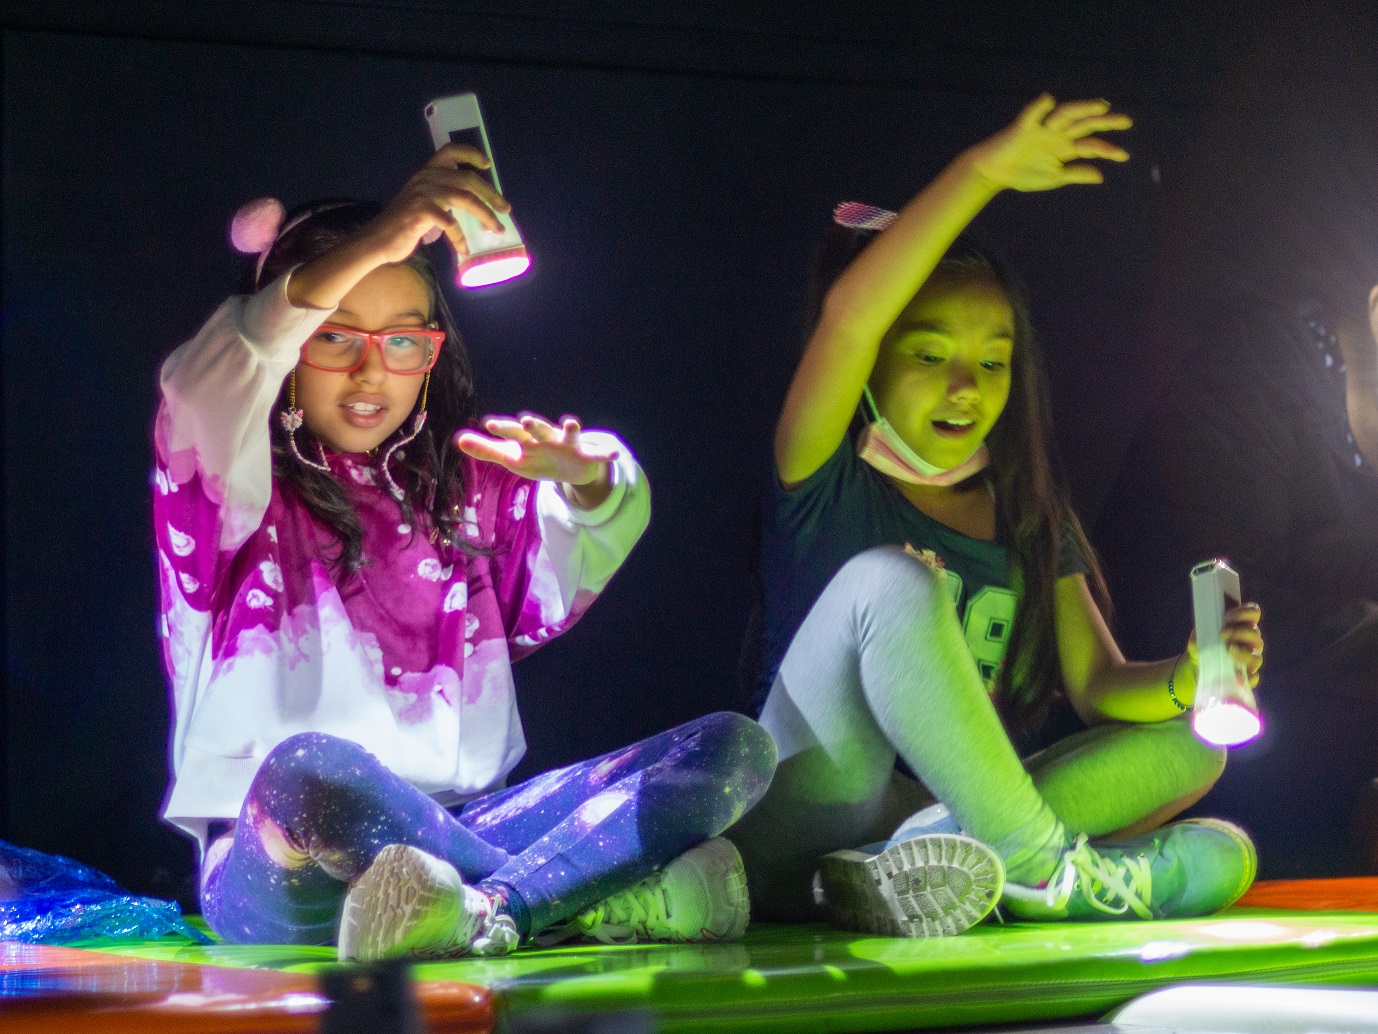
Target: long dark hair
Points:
(429, 470)
(1030, 491)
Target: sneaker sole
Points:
(720, 863)
(403, 905)
(931, 886)
(1246, 845)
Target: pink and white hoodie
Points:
(412, 657)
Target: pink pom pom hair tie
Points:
(856, 216)
(255, 226)
(258, 225)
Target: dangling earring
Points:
(292, 419)
(417, 425)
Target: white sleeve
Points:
(587, 547)
(218, 394)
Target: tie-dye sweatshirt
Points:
(412, 657)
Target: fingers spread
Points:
(1037, 110)
(507, 427)
(1099, 124)
(539, 428)
(1080, 172)
(1071, 112)
(480, 448)
(1095, 147)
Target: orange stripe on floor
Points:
(1353, 894)
(75, 991)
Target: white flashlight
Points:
(493, 257)
(1226, 712)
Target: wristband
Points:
(1172, 693)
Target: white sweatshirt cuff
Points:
(274, 327)
(623, 471)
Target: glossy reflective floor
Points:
(778, 979)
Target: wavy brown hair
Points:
(429, 470)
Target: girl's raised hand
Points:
(420, 211)
(423, 205)
(1244, 638)
(532, 447)
(1050, 145)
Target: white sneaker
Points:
(701, 896)
(925, 887)
(412, 904)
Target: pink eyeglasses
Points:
(405, 350)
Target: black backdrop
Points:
(672, 173)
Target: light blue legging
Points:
(880, 668)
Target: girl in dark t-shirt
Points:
(947, 495)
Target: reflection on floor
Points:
(74, 991)
(780, 978)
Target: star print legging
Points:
(320, 809)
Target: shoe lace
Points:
(491, 931)
(629, 916)
(623, 918)
(1109, 886)
(498, 936)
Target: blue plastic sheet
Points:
(48, 899)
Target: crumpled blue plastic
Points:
(48, 899)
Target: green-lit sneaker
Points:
(409, 904)
(699, 897)
(929, 886)
(1191, 868)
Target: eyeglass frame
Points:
(374, 339)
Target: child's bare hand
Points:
(423, 205)
(532, 447)
(1050, 145)
(1243, 635)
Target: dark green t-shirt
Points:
(846, 507)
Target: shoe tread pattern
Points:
(388, 907)
(931, 886)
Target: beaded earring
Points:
(292, 419)
(386, 463)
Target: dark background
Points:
(673, 167)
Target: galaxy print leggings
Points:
(320, 809)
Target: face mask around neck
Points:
(881, 447)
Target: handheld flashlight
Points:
(1226, 712)
(493, 257)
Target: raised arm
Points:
(1046, 147)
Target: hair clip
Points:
(856, 216)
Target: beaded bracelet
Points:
(1172, 693)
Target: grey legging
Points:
(879, 668)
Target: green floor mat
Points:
(796, 978)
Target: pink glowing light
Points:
(493, 267)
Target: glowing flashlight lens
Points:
(1226, 724)
(493, 268)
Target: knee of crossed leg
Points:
(310, 759)
(1205, 762)
(890, 578)
(742, 750)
